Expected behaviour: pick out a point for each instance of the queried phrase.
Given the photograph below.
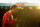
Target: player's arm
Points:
(6, 21)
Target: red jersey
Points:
(8, 20)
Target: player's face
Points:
(16, 10)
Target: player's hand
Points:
(15, 19)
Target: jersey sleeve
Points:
(6, 19)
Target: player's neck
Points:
(12, 12)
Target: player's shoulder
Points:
(6, 13)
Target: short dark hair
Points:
(14, 6)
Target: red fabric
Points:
(7, 23)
